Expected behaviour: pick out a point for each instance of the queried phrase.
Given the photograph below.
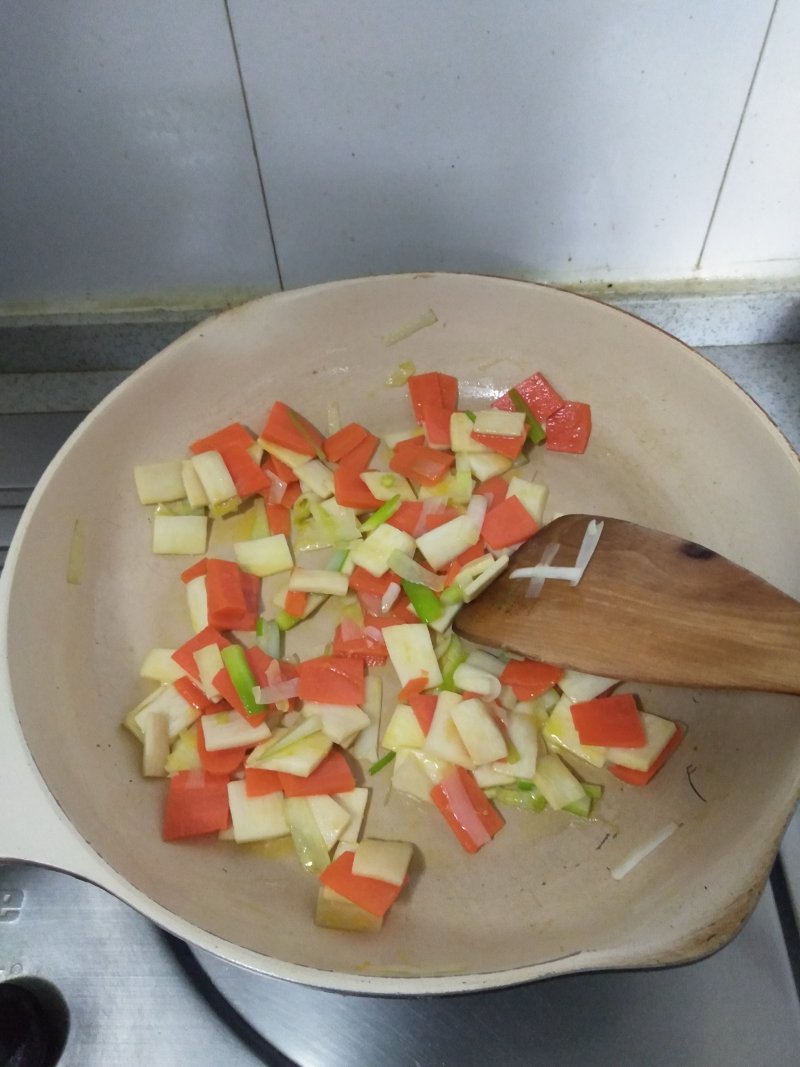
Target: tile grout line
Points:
(253, 144)
(734, 143)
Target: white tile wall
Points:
(567, 140)
(756, 228)
(126, 167)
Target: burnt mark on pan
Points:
(695, 551)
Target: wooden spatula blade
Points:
(650, 607)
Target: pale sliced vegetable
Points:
(455, 488)
(300, 758)
(316, 477)
(184, 755)
(403, 730)
(532, 495)
(335, 912)
(386, 484)
(478, 731)
(388, 861)
(486, 661)
(180, 535)
(578, 685)
(410, 571)
(193, 487)
(229, 729)
(633, 859)
(214, 477)
(331, 818)
(374, 551)
(355, 804)
(309, 843)
(535, 585)
(208, 661)
(292, 459)
(461, 439)
(197, 602)
(76, 557)
(441, 545)
(499, 423)
(556, 782)
(264, 556)
(411, 651)
(658, 733)
(155, 749)
(365, 746)
(443, 740)
(588, 545)
(472, 679)
(489, 465)
(405, 370)
(560, 732)
(488, 776)
(475, 586)
(256, 818)
(334, 417)
(340, 722)
(322, 582)
(168, 700)
(416, 773)
(523, 734)
(159, 666)
(159, 483)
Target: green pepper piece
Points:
(423, 600)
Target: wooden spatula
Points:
(650, 607)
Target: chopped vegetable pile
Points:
(386, 539)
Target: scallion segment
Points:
(381, 515)
(244, 681)
(424, 601)
(384, 761)
(536, 432)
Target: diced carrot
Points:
(362, 646)
(467, 809)
(191, 694)
(184, 656)
(333, 775)
(432, 388)
(248, 477)
(345, 440)
(436, 423)
(331, 680)
(233, 436)
(537, 393)
(226, 761)
(458, 564)
(423, 705)
(260, 782)
(361, 581)
(495, 488)
(412, 687)
(280, 469)
(350, 491)
(279, 519)
(632, 777)
(506, 446)
(614, 721)
(197, 803)
(258, 661)
(507, 524)
(424, 465)
(371, 894)
(296, 602)
(409, 515)
(287, 428)
(410, 444)
(569, 427)
(195, 571)
(401, 613)
(293, 491)
(360, 457)
(226, 603)
(530, 678)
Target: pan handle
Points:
(33, 828)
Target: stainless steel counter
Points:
(120, 992)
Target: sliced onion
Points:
(536, 585)
(588, 545)
(477, 508)
(277, 488)
(633, 859)
(389, 597)
(411, 571)
(370, 603)
(374, 634)
(274, 694)
(349, 630)
(432, 505)
(566, 574)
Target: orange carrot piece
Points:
(260, 782)
(537, 393)
(333, 775)
(371, 894)
(293, 491)
(233, 436)
(197, 803)
(495, 488)
(331, 680)
(224, 685)
(568, 429)
(460, 562)
(632, 777)
(296, 602)
(467, 809)
(226, 603)
(280, 469)
(424, 465)
(184, 656)
(432, 388)
(507, 524)
(408, 516)
(412, 687)
(436, 423)
(423, 705)
(350, 491)
(345, 440)
(530, 678)
(360, 457)
(288, 429)
(191, 694)
(506, 446)
(195, 571)
(614, 721)
(248, 477)
(279, 519)
(361, 581)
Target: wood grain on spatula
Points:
(650, 607)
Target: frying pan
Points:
(676, 445)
